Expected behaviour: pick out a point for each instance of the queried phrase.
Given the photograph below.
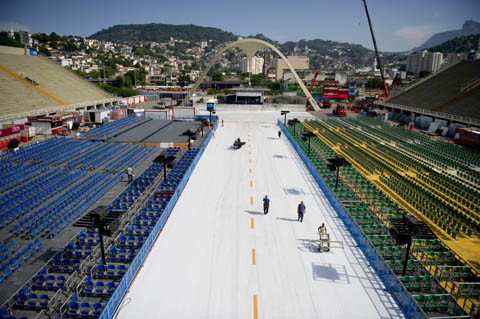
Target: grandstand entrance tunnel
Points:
(250, 46)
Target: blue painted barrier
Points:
(117, 297)
(404, 302)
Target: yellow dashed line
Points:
(249, 153)
(250, 170)
(251, 223)
(255, 307)
(253, 256)
(250, 161)
(251, 200)
(251, 184)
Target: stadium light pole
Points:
(335, 164)
(308, 135)
(285, 120)
(293, 123)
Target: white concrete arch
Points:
(250, 46)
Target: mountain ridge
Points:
(469, 27)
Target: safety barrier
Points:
(404, 302)
(117, 297)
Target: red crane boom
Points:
(311, 88)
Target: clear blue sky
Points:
(398, 25)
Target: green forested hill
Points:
(158, 32)
(460, 44)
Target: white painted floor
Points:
(202, 263)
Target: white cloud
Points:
(416, 35)
(7, 25)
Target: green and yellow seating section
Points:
(396, 172)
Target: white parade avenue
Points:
(219, 256)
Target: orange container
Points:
(25, 139)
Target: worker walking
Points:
(266, 204)
(279, 134)
(301, 211)
(130, 174)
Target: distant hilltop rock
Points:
(159, 32)
(469, 27)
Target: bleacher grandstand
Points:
(46, 187)
(454, 91)
(396, 172)
(53, 263)
(34, 83)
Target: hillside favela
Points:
(258, 160)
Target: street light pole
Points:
(308, 135)
(285, 120)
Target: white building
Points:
(255, 66)
(424, 61)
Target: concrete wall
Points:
(298, 63)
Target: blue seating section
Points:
(77, 186)
(12, 175)
(26, 197)
(11, 257)
(134, 155)
(83, 309)
(110, 127)
(30, 300)
(102, 280)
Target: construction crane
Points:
(307, 104)
(385, 87)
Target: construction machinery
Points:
(307, 104)
(326, 104)
(385, 87)
(339, 110)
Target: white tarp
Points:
(202, 263)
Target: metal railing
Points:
(446, 116)
(53, 109)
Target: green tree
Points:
(374, 83)
(123, 92)
(43, 50)
(217, 75)
(184, 80)
(6, 40)
(274, 86)
(257, 80)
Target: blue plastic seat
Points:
(44, 299)
(73, 308)
(99, 288)
(88, 287)
(85, 308)
(111, 287)
(32, 300)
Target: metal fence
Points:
(441, 115)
